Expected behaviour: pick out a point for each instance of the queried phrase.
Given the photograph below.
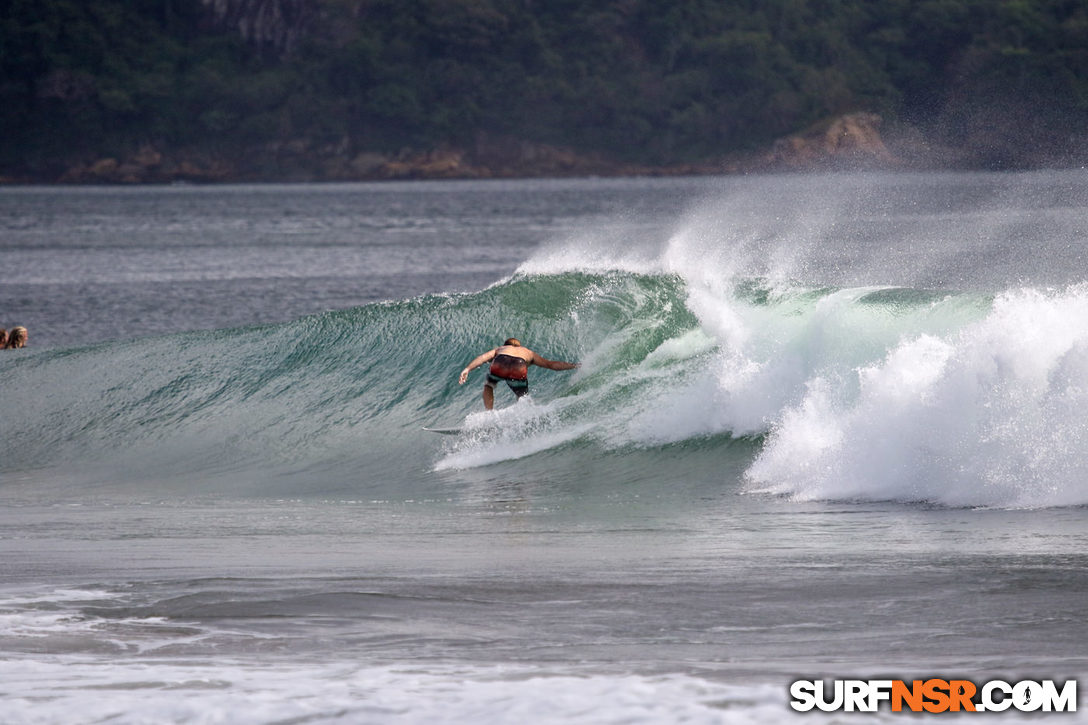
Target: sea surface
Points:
(825, 426)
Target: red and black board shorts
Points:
(512, 370)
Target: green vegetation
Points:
(640, 81)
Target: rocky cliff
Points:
(276, 25)
(850, 141)
(853, 141)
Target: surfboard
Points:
(443, 431)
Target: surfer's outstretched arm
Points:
(552, 364)
(486, 357)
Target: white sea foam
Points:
(71, 690)
(867, 392)
(509, 433)
(992, 415)
(718, 241)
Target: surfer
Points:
(510, 363)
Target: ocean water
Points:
(825, 426)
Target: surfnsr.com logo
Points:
(933, 695)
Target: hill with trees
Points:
(153, 90)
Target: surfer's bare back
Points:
(510, 363)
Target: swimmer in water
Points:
(17, 337)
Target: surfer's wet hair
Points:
(513, 341)
(17, 337)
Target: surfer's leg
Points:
(489, 391)
(520, 387)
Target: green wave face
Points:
(336, 401)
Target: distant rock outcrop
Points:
(850, 141)
(148, 165)
(853, 141)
